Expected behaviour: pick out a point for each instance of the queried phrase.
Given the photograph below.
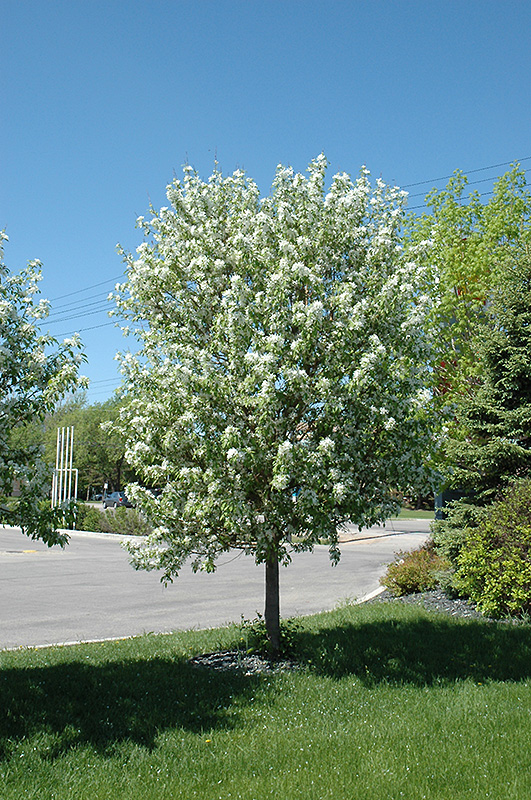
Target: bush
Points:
(88, 518)
(125, 521)
(417, 571)
(494, 566)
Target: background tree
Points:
(99, 448)
(279, 387)
(470, 241)
(488, 449)
(35, 372)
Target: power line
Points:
(424, 205)
(404, 186)
(82, 330)
(75, 303)
(99, 392)
(86, 289)
(466, 172)
(469, 183)
(76, 316)
(96, 306)
(105, 380)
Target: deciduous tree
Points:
(470, 240)
(281, 380)
(35, 372)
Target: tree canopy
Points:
(280, 385)
(479, 254)
(470, 241)
(35, 373)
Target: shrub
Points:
(125, 521)
(88, 518)
(417, 571)
(494, 566)
(254, 639)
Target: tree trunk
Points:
(272, 604)
(119, 464)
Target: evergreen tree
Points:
(491, 445)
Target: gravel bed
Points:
(436, 600)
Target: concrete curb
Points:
(101, 535)
(370, 596)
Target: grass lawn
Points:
(392, 702)
(410, 513)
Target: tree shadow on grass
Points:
(421, 650)
(134, 701)
(102, 705)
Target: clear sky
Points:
(102, 102)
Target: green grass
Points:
(411, 513)
(393, 702)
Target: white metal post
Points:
(61, 466)
(56, 471)
(64, 470)
(71, 431)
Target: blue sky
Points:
(102, 102)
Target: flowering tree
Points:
(280, 384)
(35, 372)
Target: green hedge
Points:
(125, 521)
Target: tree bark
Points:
(272, 604)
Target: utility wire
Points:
(90, 308)
(76, 316)
(105, 380)
(470, 183)
(424, 205)
(404, 186)
(75, 303)
(82, 330)
(467, 172)
(94, 285)
(99, 392)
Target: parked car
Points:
(116, 499)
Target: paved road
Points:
(89, 590)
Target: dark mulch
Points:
(247, 663)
